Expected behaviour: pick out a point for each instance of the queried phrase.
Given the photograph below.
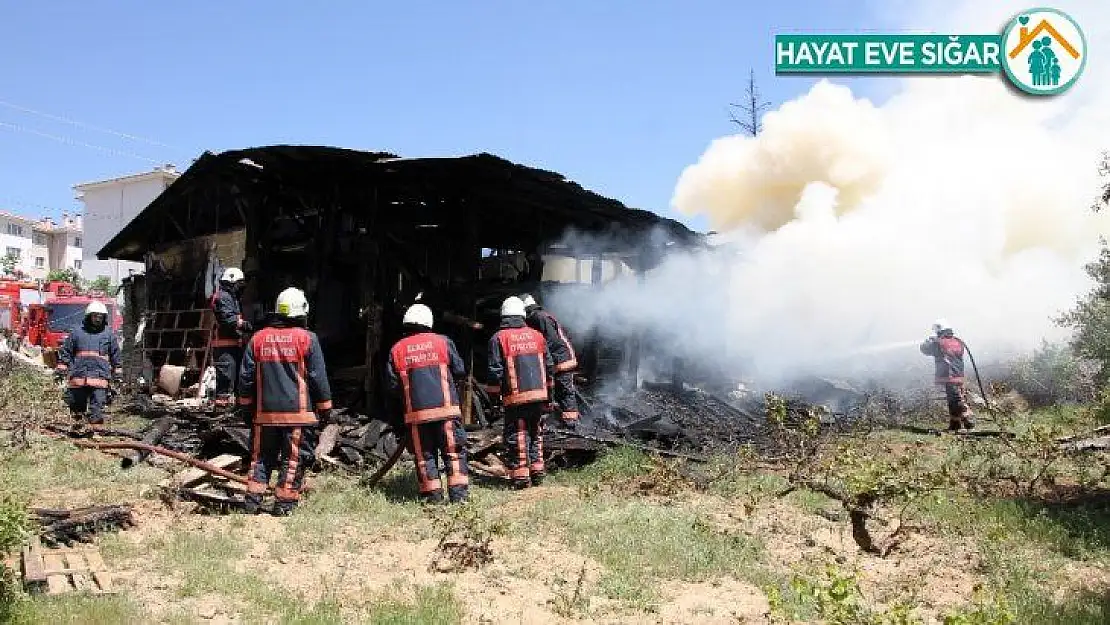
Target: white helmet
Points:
(512, 307)
(418, 315)
(232, 274)
(96, 308)
(941, 325)
(292, 303)
(528, 300)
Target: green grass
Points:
(614, 464)
(76, 610)
(630, 590)
(426, 605)
(50, 464)
(657, 541)
(747, 485)
(1023, 579)
(370, 511)
(205, 562)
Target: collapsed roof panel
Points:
(519, 205)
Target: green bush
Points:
(14, 528)
(1052, 375)
(1091, 317)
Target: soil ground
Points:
(620, 541)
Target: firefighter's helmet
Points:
(512, 307)
(292, 303)
(96, 308)
(418, 315)
(940, 326)
(232, 274)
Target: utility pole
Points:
(751, 109)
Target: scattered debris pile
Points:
(79, 525)
(693, 422)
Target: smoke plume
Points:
(855, 224)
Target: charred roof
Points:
(516, 203)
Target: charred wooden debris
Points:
(79, 525)
(365, 235)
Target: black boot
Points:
(521, 484)
(284, 508)
(538, 478)
(431, 499)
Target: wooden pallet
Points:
(59, 571)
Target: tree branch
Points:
(751, 109)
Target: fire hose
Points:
(402, 444)
(187, 459)
(978, 379)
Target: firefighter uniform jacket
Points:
(520, 363)
(948, 358)
(560, 347)
(229, 318)
(88, 357)
(422, 368)
(283, 377)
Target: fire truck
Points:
(14, 295)
(62, 310)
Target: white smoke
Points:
(858, 224)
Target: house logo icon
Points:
(1044, 51)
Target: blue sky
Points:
(619, 95)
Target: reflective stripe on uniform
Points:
(427, 352)
(285, 418)
(569, 365)
(93, 382)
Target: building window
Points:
(77, 242)
(15, 229)
(77, 264)
(13, 251)
(40, 262)
(38, 238)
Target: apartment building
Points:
(109, 206)
(41, 245)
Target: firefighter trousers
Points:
(431, 442)
(958, 411)
(523, 436)
(226, 360)
(88, 401)
(290, 450)
(565, 397)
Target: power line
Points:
(10, 201)
(73, 122)
(69, 141)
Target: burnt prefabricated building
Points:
(366, 234)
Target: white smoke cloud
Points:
(858, 224)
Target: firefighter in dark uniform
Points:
(89, 359)
(562, 353)
(227, 344)
(948, 356)
(522, 367)
(423, 371)
(284, 380)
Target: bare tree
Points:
(751, 109)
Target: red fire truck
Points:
(14, 295)
(61, 311)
